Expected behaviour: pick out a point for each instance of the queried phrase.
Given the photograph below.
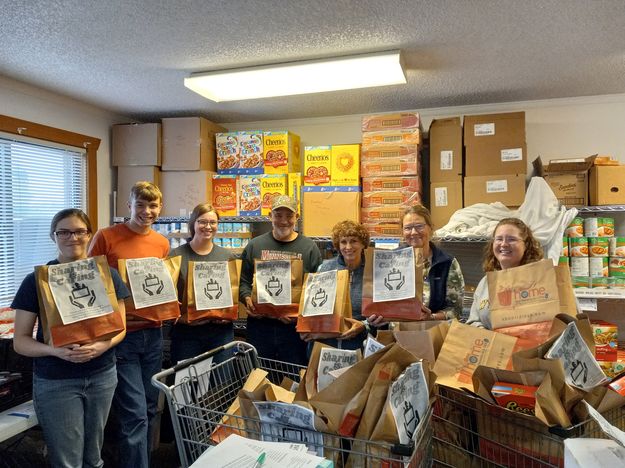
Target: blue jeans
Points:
(188, 341)
(276, 340)
(139, 357)
(72, 414)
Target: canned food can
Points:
(606, 227)
(598, 266)
(599, 283)
(580, 266)
(578, 247)
(591, 227)
(617, 282)
(616, 246)
(576, 228)
(617, 266)
(563, 261)
(598, 246)
(565, 247)
(580, 281)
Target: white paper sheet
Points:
(409, 400)
(333, 359)
(211, 285)
(273, 282)
(319, 294)
(150, 282)
(393, 275)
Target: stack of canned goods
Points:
(233, 242)
(595, 256)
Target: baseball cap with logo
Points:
(284, 201)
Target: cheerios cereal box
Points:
(345, 165)
(228, 152)
(294, 188)
(249, 199)
(281, 152)
(225, 191)
(251, 152)
(317, 164)
(271, 185)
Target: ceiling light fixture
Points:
(311, 76)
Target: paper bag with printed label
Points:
(151, 282)
(277, 287)
(325, 303)
(212, 292)
(466, 347)
(78, 302)
(393, 284)
(323, 359)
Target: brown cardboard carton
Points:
(320, 211)
(127, 176)
(507, 189)
(189, 144)
(568, 178)
(445, 200)
(607, 185)
(183, 190)
(136, 144)
(495, 144)
(446, 150)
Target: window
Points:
(42, 171)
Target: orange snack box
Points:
(392, 214)
(225, 194)
(410, 183)
(389, 167)
(401, 198)
(404, 136)
(515, 397)
(606, 340)
(372, 123)
(390, 151)
(317, 165)
(383, 228)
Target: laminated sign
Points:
(320, 294)
(273, 282)
(78, 291)
(409, 400)
(211, 285)
(150, 282)
(393, 275)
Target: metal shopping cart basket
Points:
(468, 432)
(203, 392)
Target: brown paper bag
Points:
(167, 311)
(466, 347)
(525, 294)
(529, 335)
(191, 314)
(334, 323)
(310, 378)
(290, 310)
(55, 333)
(402, 310)
(568, 304)
(423, 339)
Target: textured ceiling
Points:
(131, 57)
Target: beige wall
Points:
(36, 105)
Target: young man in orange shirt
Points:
(139, 355)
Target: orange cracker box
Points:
(404, 136)
(515, 397)
(606, 340)
(372, 123)
(389, 167)
(294, 188)
(281, 151)
(374, 184)
(228, 152)
(345, 165)
(402, 198)
(317, 165)
(225, 195)
(271, 185)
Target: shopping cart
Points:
(203, 392)
(469, 432)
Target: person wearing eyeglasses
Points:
(193, 339)
(443, 283)
(73, 385)
(512, 245)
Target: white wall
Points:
(43, 107)
(557, 128)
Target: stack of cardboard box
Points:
(391, 168)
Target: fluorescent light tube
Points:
(312, 76)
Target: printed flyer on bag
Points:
(211, 285)
(150, 282)
(273, 282)
(393, 275)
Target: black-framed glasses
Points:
(203, 223)
(417, 227)
(65, 234)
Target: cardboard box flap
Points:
(448, 122)
(563, 165)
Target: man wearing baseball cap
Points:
(273, 338)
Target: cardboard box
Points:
(127, 176)
(317, 165)
(281, 152)
(183, 190)
(136, 144)
(271, 185)
(607, 185)
(403, 136)
(383, 228)
(320, 212)
(189, 144)
(515, 397)
(412, 183)
(294, 188)
(507, 189)
(495, 144)
(398, 120)
(393, 198)
(446, 150)
(605, 335)
(386, 167)
(345, 165)
(445, 200)
(568, 178)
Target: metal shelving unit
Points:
(602, 209)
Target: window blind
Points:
(36, 181)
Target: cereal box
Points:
(345, 165)
(281, 152)
(225, 191)
(249, 203)
(294, 188)
(515, 397)
(228, 152)
(606, 340)
(317, 165)
(251, 154)
(410, 183)
(271, 185)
